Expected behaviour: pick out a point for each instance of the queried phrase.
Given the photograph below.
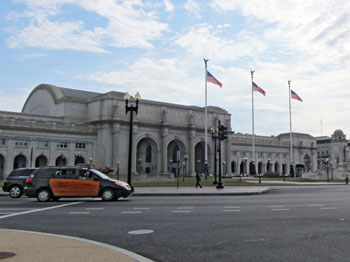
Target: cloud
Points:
(169, 7)
(193, 7)
(129, 24)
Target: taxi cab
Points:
(52, 183)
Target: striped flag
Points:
(212, 79)
(258, 89)
(295, 96)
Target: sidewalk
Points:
(19, 246)
(204, 191)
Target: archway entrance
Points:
(2, 165)
(147, 156)
(176, 156)
(199, 157)
(61, 161)
(79, 160)
(19, 161)
(233, 167)
(260, 168)
(40, 161)
(307, 163)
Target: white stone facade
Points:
(66, 126)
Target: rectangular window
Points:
(62, 144)
(21, 142)
(268, 154)
(42, 143)
(80, 145)
(261, 154)
(2, 141)
(233, 153)
(242, 153)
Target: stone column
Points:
(192, 155)
(164, 151)
(115, 153)
(134, 148)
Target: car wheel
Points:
(16, 192)
(43, 195)
(108, 194)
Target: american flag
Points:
(295, 96)
(258, 88)
(212, 79)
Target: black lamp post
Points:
(132, 108)
(214, 136)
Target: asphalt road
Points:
(300, 223)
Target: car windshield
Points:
(100, 174)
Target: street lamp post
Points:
(214, 136)
(131, 108)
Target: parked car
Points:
(14, 182)
(52, 183)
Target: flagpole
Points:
(253, 144)
(206, 122)
(290, 126)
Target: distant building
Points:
(333, 153)
(61, 126)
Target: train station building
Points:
(62, 126)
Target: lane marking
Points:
(185, 208)
(94, 208)
(10, 208)
(131, 212)
(281, 209)
(254, 240)
(141, 208)
(233, 210)
(39, 210)
(182, 211)
(275, 206)
(329, 208)
(316, 205)
(79, 213)
(141, 232)
(229, 207)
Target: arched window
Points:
(149, 154)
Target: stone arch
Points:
(147, 154)
(199, 156)
(61, 161)
(307, 163)
(19, 161)
(268, 166)
(277, 167)
(260, 168)
(233, 167)
(251, 168)
(284, 168)
(79, 160)
(41, 161)
(2, 167)
(173, 147)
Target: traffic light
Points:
(222, 132)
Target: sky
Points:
(157, 48)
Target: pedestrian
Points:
(347, 179)
(198, 180)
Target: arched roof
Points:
(63, 94)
